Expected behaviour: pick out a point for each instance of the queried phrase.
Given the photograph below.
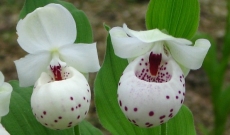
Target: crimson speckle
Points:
(44, 112)
(76, 107)
(85, 112)
(79, 105)
(162, 121)
(72, 109)
(59, 117)
(151, 113)
(181, 101)
(135, 109)
(162, 117)
(70, 123)
(179, 92)
(167, 97)
(126, 108)
(133, 121)
(170, 115)
(150, 125)
(176, 97)
(78, 117)
(41, 116)
(120, 102)
(55, 121)
(84, 98)
(119, 83)
(71, 98)
(147, 123)
(171, 110)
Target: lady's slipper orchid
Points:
(5, 94)
(61, 95)
(152, 87)
(46, 32)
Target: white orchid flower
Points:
(5, 94)
(152, 87)
(49, 31)
(61, 95)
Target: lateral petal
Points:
(126, 46)
(81, 56)
(189, 56)
(46, 28)
(31, 66)
(5, 94)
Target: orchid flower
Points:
(152, 87)
(61, 94)
(5, 94)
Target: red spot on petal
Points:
(151, 113)
(126, 108)
(59, 117)
(120, 103)
(56, 72)
(135, 109)
(154, 61)
(162, 117)
(44, 112)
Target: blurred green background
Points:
(115, 13)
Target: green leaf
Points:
(182, 123)
(179, 17)
(84, 31)
(20, 120)
(87, 129)
(108, 110)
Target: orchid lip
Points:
(153, 69)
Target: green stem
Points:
(77, 130)
(164, 129)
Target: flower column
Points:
(61, 95)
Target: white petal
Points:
(46, 28)
(149, 103)
(5, 94)
(190, 56)
(83, 57)
(30, 67)
(3, 130)
(151, 36)
(61, 104)
(125, 46)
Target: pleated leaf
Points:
(179, 18)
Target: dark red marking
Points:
(57, 72)
(154, 63)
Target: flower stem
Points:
(164, 129)
(77, 130)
